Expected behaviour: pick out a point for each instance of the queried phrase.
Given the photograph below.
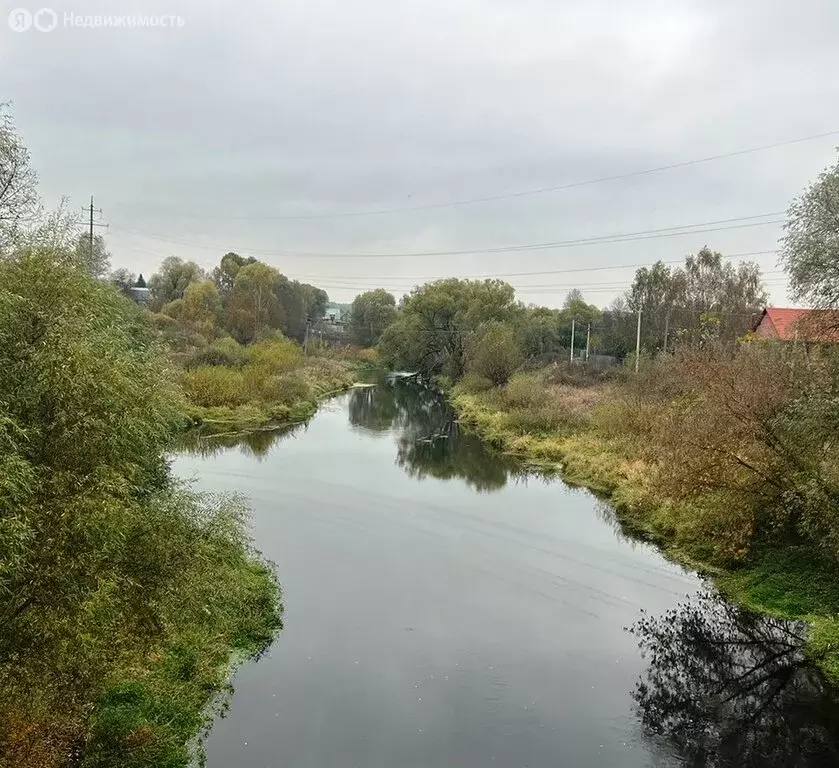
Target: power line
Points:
(429, 278)
(517, 194)
(528, 289)
(482, 276)
(650, 234)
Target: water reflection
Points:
(429, 440)
(726, 687)
(256, 444)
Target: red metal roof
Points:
(815, 325)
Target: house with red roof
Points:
(812, 326)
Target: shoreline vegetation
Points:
(269, 384)
(126, 596)
(599, 430)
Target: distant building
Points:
(139, 292)
(336, 315)
(811, 326)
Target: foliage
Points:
(200, 308)
(253, 305)
(438, 320)
(224, 275)
(113, 579)
(810, 246)
(706, 300)
(171, 281)
(371, 313)
(494, 353)
(268, 382)
(224, 351)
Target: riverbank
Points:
(230, 387)
(594, 433)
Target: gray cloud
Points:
(323, 106)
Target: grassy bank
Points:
(604, 432)
(230, 386)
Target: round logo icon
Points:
(20, 20)
(46, 20)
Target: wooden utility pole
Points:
(638, 345)
(573, 330)
(588, 340)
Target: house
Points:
(812, 326)
(336, 315)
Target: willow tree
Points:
(810, 245)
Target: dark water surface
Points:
(446, 609)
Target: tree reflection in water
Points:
(727, 687)
(256, 444)
(429, 441)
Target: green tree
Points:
(86, 412)
(253, 306)
(576, 313)
(371, 313)
(810, 245)
(438, 320)
(495, 353)
(316, 301)
(200, 307)
(709, 287)
(293, 301)
(171, 280)
(224, 275)
(654, 293)
(538, 331)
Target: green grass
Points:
(148, 716)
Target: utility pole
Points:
(573, 330)
(638, 344)
(306, 340)
(90, 210)
(588, 340)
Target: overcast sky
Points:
(197, 140)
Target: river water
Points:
(444, 607)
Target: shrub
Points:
(495, 354)
(473, 383)
(289, 388)
(275, 355)
(226, 351)
(211, 386)
(526, 391)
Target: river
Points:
(445, 607)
